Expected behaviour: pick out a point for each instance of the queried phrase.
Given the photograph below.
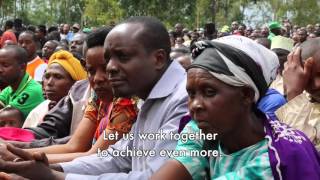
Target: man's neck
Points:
(15, 86)
(32, 57)
(148, 90)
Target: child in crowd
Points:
(11, 117)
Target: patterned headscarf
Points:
(237, 61)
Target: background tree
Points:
(169, 11)
(192, 13)
(102, 12)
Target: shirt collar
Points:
(168, 81)
(22, 83)
(35, 59)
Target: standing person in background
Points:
(275, 30)
(264, 31)
(48, 49)
(302, 35)
(74, 29)
(36, 66)
(8, 34)
(18, 27)
(282, 46)
(234, 26)
(210, 31)
(242, 29)
(41, 32)
(76, 45)
(64, 30)
(310, 29)
(178, 30)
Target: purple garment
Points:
(291, 153)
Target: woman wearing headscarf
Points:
(62, 72)
(225, 83)
(104, 114)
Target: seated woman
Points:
(225, 82)
(103, 114)
(62, 72)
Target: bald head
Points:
(264, 42)
(76, 45)
(185, 61)
(310, 48)
(152, 34)
(19, 53)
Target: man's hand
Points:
(5, 176)
(5, 154)
(296, 76)
(23, 145)
(30, 169)
(28, 165)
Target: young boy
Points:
(11, 117)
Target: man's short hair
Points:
(264, 42)
(31, 28)
(33, 35)
(181, 50)
(54, 35)
(310, 48)
(20, 53)
(9, 24)
(97, 37)
(154, 35)
(282, 56)
(18, 23)
(43, 29)
(55, 42)
(52, 28)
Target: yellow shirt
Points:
(303, 115)
(277, 84)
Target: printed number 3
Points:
(23, 98)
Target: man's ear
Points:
(23, 66)
(247, 93)
(160, 59)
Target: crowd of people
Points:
(66, 91)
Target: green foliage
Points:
(203, 13)
(100, 12)
(304, 12)
(192, 13)
(168, 11)
(42, 12)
